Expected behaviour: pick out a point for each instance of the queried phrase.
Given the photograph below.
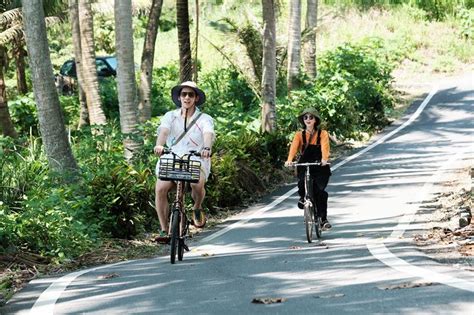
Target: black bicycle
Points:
(182, 170)
(311, 218)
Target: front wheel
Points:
(319, 227)
(174, 234)
(309, 221)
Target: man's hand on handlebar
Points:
(158, 149)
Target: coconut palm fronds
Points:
(10, 16)
(10, 34)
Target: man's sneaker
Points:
(199, 218)
(326, 225)
(163, 238)
(301, 203)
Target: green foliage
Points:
(230, 100)
(109, 98)
(164, 78)
(351, 92)
(121, 195)
(104, 34)
(244, 166)
(38, 213)
(23, 114)
(435, 9)
(466, 18)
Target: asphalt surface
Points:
(366, 264)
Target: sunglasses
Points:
(308, 117)
(183, 94)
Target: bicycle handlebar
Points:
(294, 164)
(192, 152)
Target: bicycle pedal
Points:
(186, 248)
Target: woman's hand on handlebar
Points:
(289, 163)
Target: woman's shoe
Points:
(326, 225)
(301, 203)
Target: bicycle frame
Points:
(181, 171)
(311, 216)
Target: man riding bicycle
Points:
(313, 145)
(183, 130)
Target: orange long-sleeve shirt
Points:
(297, 144)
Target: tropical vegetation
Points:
(78, 170)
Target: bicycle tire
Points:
(318, 227)
(180, 249)
(174, 234)
(309, 222)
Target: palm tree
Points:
(309, 38)
(6, 125)
(50, 117)
(10, 29)
(148, 55)
(269, 67)
(76, 42)
(184, 41)
(89, 70)
(126, 85)
(294, 44)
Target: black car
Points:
(66, 79)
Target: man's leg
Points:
(161, 202)
(198, 193)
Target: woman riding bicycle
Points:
(313, 145)
(183, 130)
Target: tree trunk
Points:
(184, 41)
(196, 41)
(148, 55)
(6, 126)
(309, 44)
(76, 43)
(269, 67)
(294, 44)
(20, 53)
(89, 70)
(126, 85)
(50, 117)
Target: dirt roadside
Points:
(448, 236)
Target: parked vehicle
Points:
(66, 80)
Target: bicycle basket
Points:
(177, 169)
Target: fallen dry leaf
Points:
(108, 276)
(268, 300)
(405, 285)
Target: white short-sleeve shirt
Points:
(194, 138)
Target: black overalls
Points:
(319, 174)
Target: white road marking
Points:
(382, 253)
(46, 301)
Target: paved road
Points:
(374, 197)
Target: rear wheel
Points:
(174, 234)
(309, 221)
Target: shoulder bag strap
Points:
(318, 140)
(181, 136)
